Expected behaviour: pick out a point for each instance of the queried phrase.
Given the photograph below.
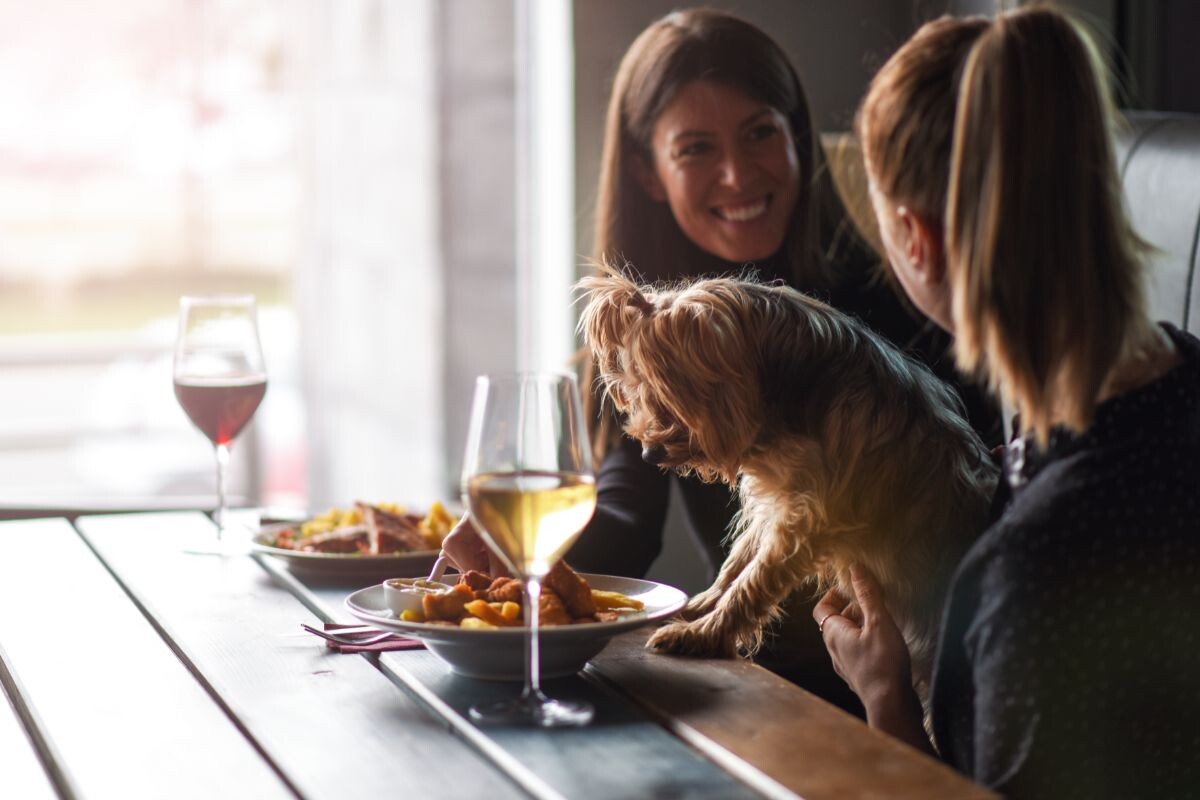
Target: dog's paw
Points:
(692, 639)
(699, 605)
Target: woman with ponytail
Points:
(1069, 663)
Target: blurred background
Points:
(405, 185)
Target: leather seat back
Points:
(1159, 158)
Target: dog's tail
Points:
(613, 304)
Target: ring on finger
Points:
(824, 619)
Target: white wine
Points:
(532, 516)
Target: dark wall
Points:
(1157, 43)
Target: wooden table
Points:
(133, 669)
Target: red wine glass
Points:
(219, 381)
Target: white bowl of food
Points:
(476, 648)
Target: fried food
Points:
(437, 523)
(489, 613)
(479, 602)
(575, 593)
(449, 605)
(551, 610)
(369, 530)
(506, 590)
(478, 581)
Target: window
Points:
(356, 164)
(158, 158)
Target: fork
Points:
(349, 640)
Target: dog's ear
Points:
(700, 357)
(613, 304)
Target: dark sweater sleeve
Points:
(1006, 643)
(626, 533)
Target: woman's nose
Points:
(737, 169)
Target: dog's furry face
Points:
(675, 361)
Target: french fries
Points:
(491, 613)
(433, 527)
(606, 601)
(436, 525)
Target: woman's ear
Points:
(647, 178)
(922, 246)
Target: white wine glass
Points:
(220, 380)
(528, 485)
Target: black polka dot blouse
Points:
(1069, 664)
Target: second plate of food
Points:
(357, 545)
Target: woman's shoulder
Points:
(1137, 497)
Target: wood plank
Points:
(622, 754)
(23, 774)
(334, 725)
(768, 732)
(771, 734)
(118, 707)
(739, 713)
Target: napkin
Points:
(394, 642)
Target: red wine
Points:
(220, 407)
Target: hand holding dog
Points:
(868, 651)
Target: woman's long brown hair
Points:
(633, 230)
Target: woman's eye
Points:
(760, 132)
(692, 149)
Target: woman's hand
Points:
(467, 550)
(869, 653)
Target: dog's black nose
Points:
(654, 454)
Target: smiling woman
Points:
(726, 166)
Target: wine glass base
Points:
(534, 711)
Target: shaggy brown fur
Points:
(843, 450)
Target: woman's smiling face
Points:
(726, 165)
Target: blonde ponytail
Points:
(1046, 270)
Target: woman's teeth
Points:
(743, 213)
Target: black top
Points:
(626, 533)
(1069, 664)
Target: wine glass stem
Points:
(533, 680)
(222, 451)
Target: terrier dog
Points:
(842, 449)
